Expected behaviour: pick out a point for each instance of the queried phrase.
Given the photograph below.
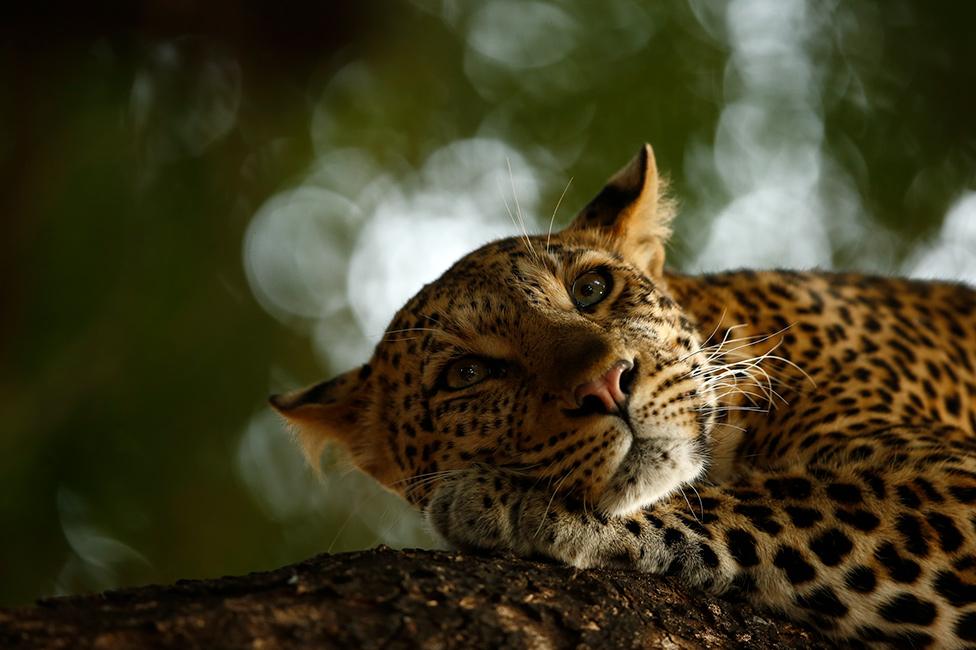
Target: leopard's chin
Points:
(650, 470)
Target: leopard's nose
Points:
(607, 391)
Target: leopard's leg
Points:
(875, 545)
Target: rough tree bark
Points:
(392, 599)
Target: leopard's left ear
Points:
(631, 215)
(338, 410)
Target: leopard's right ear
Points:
(336, 410)
(631, 214)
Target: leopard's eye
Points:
(590, 288)
(465, 372)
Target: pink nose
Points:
(607, 388)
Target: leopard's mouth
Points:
(592, 407)
(650, 470)
(659, 459)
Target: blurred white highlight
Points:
(522, 34)
(458, 203)
(787, 203)
(184, 99)
(296, 249)
(288, 491)
(96, 557)
(277, 477)
(520, 55)
(952, 255)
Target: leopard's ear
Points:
(336, 410)
(631, 214)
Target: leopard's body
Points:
(805, 439)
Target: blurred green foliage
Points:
(137, 144)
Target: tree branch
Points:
(391, 599)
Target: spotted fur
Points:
(803, 439)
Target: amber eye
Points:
(465, 372)
(590, 288)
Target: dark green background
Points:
(134, 357)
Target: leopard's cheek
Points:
(603, 451)
(472, 428)
(576, 457)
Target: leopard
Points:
(802, 440)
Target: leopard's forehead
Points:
(501, 282)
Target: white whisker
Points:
(549, 505)
(701, 505)
(518, 215)
(690, 509)
(555, 210)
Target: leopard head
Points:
(562, 359)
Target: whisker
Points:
(345, 522)
(716, 348)
(690, 509)
(508, 208)
(413, 329)
(795, 366)
(701, 505)
(422, 486)
(736, 385)
(518, 214)
(428, 474)
(716, 351)
(748, 395)
(724, 409)
(718, 324)
(555, 210)
(752, 340)
(549, 505)
(731, 426)
(405, 330)
(518, 469)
